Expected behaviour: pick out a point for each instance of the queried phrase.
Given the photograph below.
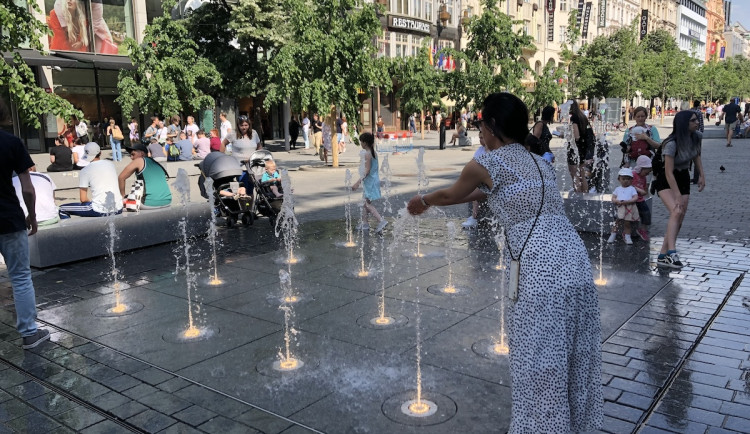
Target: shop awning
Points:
(99, 61)
(35, 58)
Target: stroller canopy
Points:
(218, 165)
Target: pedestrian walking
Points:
(306, 129)
(317, 132)
(293, 132)
(115, 139)
(554, 325)
(672, 179)
(14, 240)
(732, 114)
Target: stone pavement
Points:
(676, 344)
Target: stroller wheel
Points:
(230, 221)
(247, 219)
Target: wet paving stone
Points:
(151, 421)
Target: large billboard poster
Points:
(91, 26)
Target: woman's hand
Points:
(356, 185)
(642, 136)
(415, 206)
(701, 182)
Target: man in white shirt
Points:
(46, 209)
(193, 128)
(82, 130)
(226, 127)
(98, 187)
(306, 129)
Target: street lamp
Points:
(443, 18)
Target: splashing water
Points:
(287, 361)
(111, 207)
(449, 288)
(500, 345)
(385, 171)
(286, 222)
(348, 209)
(212, 231)
(422, 181)
(182, 186)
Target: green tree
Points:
(490, 62)
(328, 57)
(661, 66)
(420, 82)
(20, 28)
(170, 76)
(547, 90)
(569, 51)
(261, 27)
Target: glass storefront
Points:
(91, 26)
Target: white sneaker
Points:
(470, 222)
(628, 240)
(383, 223)
(612, 238)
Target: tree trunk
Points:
(286, 120)
(421, 122)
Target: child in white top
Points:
(625, 196)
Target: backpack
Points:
(174, 151)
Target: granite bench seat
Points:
(81, 238)
(587, 210)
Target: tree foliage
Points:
(420, 82)
(328, 56)
(170, 76)
(548, 90)
(490, 61)
(20, 28)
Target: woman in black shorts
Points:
(577, 156)
(673, 184)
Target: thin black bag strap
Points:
(536, 219)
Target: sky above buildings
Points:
(741, 13)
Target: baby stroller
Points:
(225, 172)
(264, 202)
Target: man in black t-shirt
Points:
(14, 240)
(732, 113)
(60, 156)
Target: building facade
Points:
(737, 38)
(692, 28)
(662, 15)
(715, 43)
(621, 13)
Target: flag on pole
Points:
(432, 61)
(441, 60)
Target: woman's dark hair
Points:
(640, 109)
(370, 140)
(548, 113)
(681, 127)
(582, 121)
(243, 119)
(506, 116)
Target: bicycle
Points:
(619, 126)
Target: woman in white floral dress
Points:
(554, 328)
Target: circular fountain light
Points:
(215, 282)
(361, 274)
(433, 408)
(287, 260)
(191, 333)
(500, 349)
(600, 282)
(421, 408)
(181, 335)
(346, 244)
(290, 364)
(291, 299)
(117, 309)
(491, 349)
(448, 290)
(382, 322)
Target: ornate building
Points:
(662, 14)
(715, 43)
(738, 41)
(691, 27)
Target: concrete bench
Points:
(81, 238)
(587, 210)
